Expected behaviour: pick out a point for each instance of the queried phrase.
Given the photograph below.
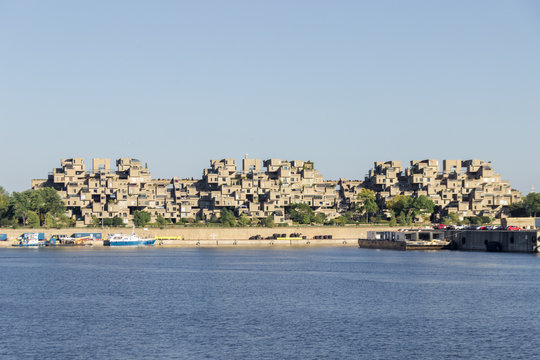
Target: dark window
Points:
(463, 241)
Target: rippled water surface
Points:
(320, 303)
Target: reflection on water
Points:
(267, 304)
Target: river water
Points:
(316, 303)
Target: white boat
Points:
(30, 240)
(127, 240)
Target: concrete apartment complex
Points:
(465, 187)
(103, 193)
(468, 188)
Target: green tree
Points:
(301, 213)
(452, 218)
(4, 202)
(319, 218)
(116, 221)
(268, 221)
(423, 204)
(20, 206)
(368, 203)
(227, 217)
(51, 202)
(339, 221)
(244, 220)
(393, 221)
(63, 221)
(49, 221)
(531, 203)
(399, 204)
(161, 221)
(32, 219)
(517, 209)
(96, 222)
(141, 218)
(408, 208)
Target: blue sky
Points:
(341, 83)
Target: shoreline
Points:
(209, 243)
(222, 237)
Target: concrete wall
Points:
(522, 222)
(225, 235)
(507, 241)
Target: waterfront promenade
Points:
(218, 237)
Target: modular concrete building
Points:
(467, 188)
(265, 188)
(90, 196)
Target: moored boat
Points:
(127, 240)
(31, 240)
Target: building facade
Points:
(258, 192)
(265, 188)
(467, 188)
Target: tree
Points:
(4, 205)
(517, 209)
(41, 202)
(50, 202)
(399, 204)
(227, 217)
(244, 221)
(64, 221)
(531, 203)
(408, 208)
(423, 204)
(368, 204)
(301, 213)
(161, 221)
(268, 221)
(393, 221)
(339, 221)
(319, 218)
(49, 221)
(452, 218)
(32, 219)
(141, 218)
(96, 222)
(20, 206)
(116, 221)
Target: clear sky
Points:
(341, 83)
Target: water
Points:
(320, 303)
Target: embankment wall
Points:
(224, 236)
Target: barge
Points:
(406, 240)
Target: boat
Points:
(127, 240)
(30, 240)
(64, 240)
